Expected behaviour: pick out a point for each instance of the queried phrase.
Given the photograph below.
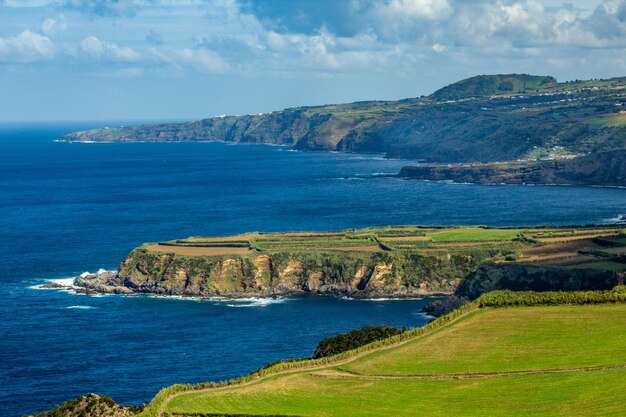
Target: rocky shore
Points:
(111, 282)
(603, 169)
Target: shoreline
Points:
(71, 286)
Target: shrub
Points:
(352, 340)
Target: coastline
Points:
(99, 284)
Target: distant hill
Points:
(487, 118)
(488, 85)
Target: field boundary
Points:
(345, 374)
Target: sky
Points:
(66, 60)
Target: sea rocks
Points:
(104, 282)
(91, 405)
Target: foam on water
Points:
(80, 307)
(255, 302)
(66, 282)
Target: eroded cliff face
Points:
(293, 127)
(518, 277)
(351, 274)
(606, 168)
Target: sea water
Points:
(67, 208)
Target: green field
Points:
(468, 234)
(522, 361)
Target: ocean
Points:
(66, 208)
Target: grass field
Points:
(199, 251)
(539, 245)
(523, 361)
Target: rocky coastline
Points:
(113, 282)
(600, 169)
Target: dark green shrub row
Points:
(504, 298)
(353, 339)
(229, 244)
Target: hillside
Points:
(399, 261)
(474, 362)
(490, 85)
(505, 354)
(481, 119)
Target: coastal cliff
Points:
(486, 118)
(359, 275)
(606, 168)
(402, 261)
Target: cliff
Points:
(606, 168)
(354, 274)
(481, 119)
(376, 262)
(518, 277)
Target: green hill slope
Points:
(488, 85)
(515, 361)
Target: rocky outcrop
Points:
(518, 277)
(365, 275)
(606, 168)
(91, 405)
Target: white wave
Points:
(380, 299)
(255, 302)
(80, 307)
(66, 282)
(37, 287)
(618, 220)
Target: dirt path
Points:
(344, 374)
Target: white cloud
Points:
(26, 47)
(200, 59)
(51, 26)
(424, 9)
(108, 51)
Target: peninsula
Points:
(550, 131)
(394, 261)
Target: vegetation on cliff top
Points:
(91, 405)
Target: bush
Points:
(352, 340)
(504, 298)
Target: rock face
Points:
(518, 277)
(606, 168)
(367, 275)
(91, 405)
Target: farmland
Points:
(522, 361)
(377, 262)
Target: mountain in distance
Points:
(483, 119)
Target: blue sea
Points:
(66, 208)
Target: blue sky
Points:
(166, 59)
